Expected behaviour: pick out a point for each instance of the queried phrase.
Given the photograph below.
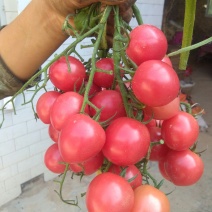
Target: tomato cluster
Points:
(93, 130)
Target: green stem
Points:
(101, 27)
(190, 10)
(188, 48)
(117, 58)
(137, 14)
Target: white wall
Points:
(23, 141)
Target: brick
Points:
(2, 187)
(15, 157)
(10, 195)
(34, 125)
(7, 147)
(1, 164)
(44, 133)
(6, 134)
(40, 147)
(19, 130)
(7, 119)
(27, 140)
(23, 115)
(5, 174)
(14, 170)
(30, 162)
(17, 180)
(38, 170)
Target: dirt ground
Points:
(39, 196)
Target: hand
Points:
(66, 7)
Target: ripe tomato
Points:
(147, 42)
(150, 199)
(65, 79)
(67, 104)
(80, 139)
(180, 132)
(167, 60)
(53, 133)
(127, 141)
(184, 168)
(131, 172)
(53, 159)
(109, 192)
(158, 151)
(111, 103)
(103, 79)
(44, 105)
(155, 83)
(161, 166)
(89, 166)
(164, 112)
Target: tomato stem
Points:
(189, 18)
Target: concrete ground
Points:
(39, 196)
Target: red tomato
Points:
(53, 133)
(180, 132)
(67, 104)
(155, 83)
(93, 90)
(158, 151)
(164, 112)
(127, 141)
(167, 60)
(147, 42)
(65, 79)
(161, 166)
(111, 103)
(131, 172)
(150, 199)
(109, 192)
(89, 166)
(80, 139)
(44, 105)
(53, 159)
(103, 79)
(184, 168)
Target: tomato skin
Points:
(161, 166)
(52, 159)
(155, 83)
(89, 166)
(149, 199)
(127, 141)
(164, 112)
(167, 60)
(44, 105)
(67, 104)
(80, 139)
(184, 168)
(102, 79)
(64, 79)
(131, 171)
(109, 192)
(111, 103)
(147, 42)
(158, 151)
(180, 132)
(53, 133)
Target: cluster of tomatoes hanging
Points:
(99, 134)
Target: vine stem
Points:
(117, 58)
(189, 18)
(188, 48)
(101, 27)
